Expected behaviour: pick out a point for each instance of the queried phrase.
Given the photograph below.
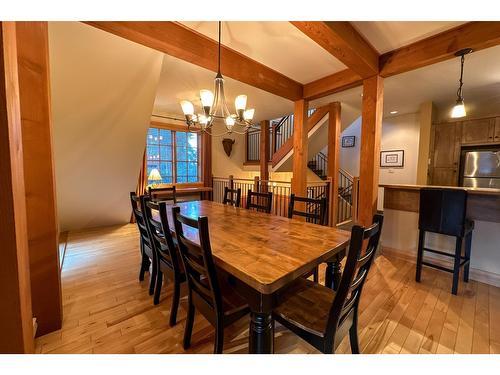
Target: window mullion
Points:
(174, 157)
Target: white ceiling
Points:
(181, 80)
(388, 35)
(278, 45)
(438, 83)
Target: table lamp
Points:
(154, 176)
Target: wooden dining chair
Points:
(260, 201)
(314, 212)
(163, 194)
(144, 242)
(229, 196)
(208, 292)
(321, 316)
(165, 252)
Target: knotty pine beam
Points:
(437, 48)
(43, 231)
(336, 82)
(300, 143)
(371, 128)
(440, 47)
(344, 42)
(334, 130)
(179, 41)
(16, 325)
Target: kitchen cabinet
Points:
(496, 133)
(478, 131)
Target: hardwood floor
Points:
(107, 310)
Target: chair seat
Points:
(306, 305)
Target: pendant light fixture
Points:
(214, 108)
(458, 110)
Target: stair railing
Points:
(319, 164)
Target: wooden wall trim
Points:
(16, 324)
(179, 41)
(344, 42)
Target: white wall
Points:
(398, 133)
(103, 89)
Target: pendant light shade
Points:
(458, 109)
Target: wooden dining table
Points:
(263, 254)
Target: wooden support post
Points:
(264, 152)
(299, 181)
(273, 141)
(206, 158)
(371, 127)
(355, 199)
(16, 324)
(256, 183)
(334, 129)
(43, 225)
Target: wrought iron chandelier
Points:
(215, 108)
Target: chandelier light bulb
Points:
(248, 114)
(207, 98)
(229, 122)
(240, 103)
(187, 108)
(458, 110)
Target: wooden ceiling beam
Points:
(440, 47)
(181, 42)
(336, 82)
(345, 43)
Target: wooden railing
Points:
(280, 131)
(281, 191)
(347, 197)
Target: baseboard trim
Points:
(486, 277)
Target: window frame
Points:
(175, 129)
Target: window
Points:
(175, 154)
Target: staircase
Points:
(281, 149)
(319, 165)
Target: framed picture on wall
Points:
(392, 159)
(348, 141)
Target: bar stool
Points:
(443, 211)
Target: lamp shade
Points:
(187, 108)
(207, 98)
(154, 175)
(458, 110)
(240, 103)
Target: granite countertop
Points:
(472, 190)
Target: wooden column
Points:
(264, 150)
(371, 127)
(334, 130)
(206, 159)
(43, 226)
(16, 325)
(299, 180)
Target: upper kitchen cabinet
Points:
(478, 131)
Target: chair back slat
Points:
(229, 196)
(198, 260)
(139, 219)
(260, 201)
(160, 235)
(315, 209)
(355, 274)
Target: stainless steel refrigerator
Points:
(481, 168)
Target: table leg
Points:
(333, 273)
(261, 335)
